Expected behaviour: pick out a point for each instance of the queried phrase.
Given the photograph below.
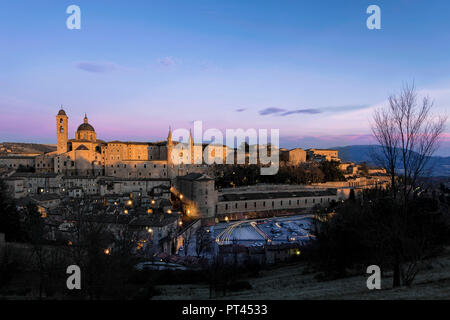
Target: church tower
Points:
(62, 124)
(191, 147)
(169, 147)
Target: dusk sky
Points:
(310, 68)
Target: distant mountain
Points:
(440, 166)
(25, 148)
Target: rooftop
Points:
(276, 195)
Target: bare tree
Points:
(408, 134)
(203, 242)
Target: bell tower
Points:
(62, 124)
(169, 147)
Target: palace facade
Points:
(86, 155)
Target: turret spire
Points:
(169, 137)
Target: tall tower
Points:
(62, 124)
(191, 147)
(169, 147)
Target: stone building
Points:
(236, 204)
(86, 155)
(198, 195)
(293, 157)
(17, 162)
(326, 154)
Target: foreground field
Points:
(291, 282)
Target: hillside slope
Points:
(440, 166)
(291, 282)
(25, 148)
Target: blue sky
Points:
(310, 68)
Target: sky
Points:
(311, 69)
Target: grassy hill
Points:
(25, 148)
(294, 281)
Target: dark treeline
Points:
(311, 172)
(365, 231)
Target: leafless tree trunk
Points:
(408, 134)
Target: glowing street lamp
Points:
(169, 211)
(125, 211)
(149, 211)
(107, 251)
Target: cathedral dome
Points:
(85, 127)
(85, 131)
